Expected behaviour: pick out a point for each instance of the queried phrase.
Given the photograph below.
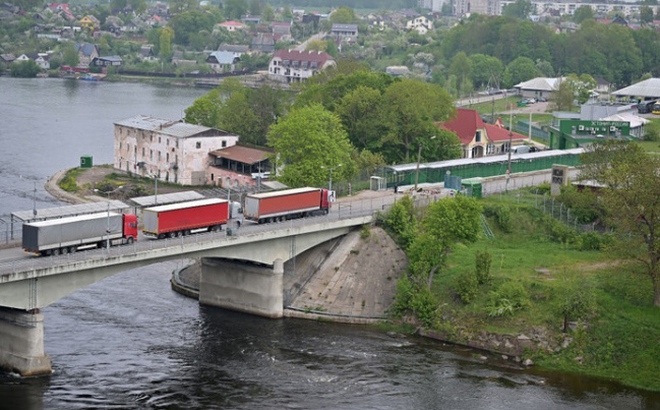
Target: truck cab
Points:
(236, 212)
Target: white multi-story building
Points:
(171, 151)
(295, 66)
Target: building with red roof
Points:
(479, 139)
(295, 66)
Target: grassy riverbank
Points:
(538, 267)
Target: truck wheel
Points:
(56, 251)
(161, 236)
(73, 249)
(129, 240)
(65, 250)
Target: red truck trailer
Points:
(185, 217)
(286, 204)
(67, 235)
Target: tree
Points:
(447, 222)
(520, 9)
(25, 69)
(461, 67)
(234, 9)
(165, 52)
(519, 70)
(309, 142)
(205, 110)
(563, 98)
(583, 13)
(486, 71)
(646, 15)
(361, 113)
(412, 108)
(70, 55)
(343, 15)
(631, 196)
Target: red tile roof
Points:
(466, 123)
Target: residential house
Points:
(90, 22)
(420, 24)
(222, 61)
(344, 32)
(86, 53)
(147, 53)
(539, 87)
(235, 49)
(251, 19)
(263, 43)
(281, 31)
(230, 25)
(645, 90)
(7, 58)
(296, 66)
(479, 139)
(171, 151)
(398, 71)
(238, 166)
(109, 61)
(130, 27)
(41, 59)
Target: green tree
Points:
(460, 67)
(583, 13)
(412, 108)
(447, 223)
(545, 67)
(268, 14)
(309, 142)
(25, 69)
(519, 70)
(70, 55)
(234, 9)
(631, 189)
(563, 98)
(205, 110)
(646, 15)
(165, 51)
(343, 15)
(361, 112)
(486, 71)
(520, 9)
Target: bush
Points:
(483, 261)
(509, 297)
(558, 231)
(589, 241)
(502, 215)
(467, 287)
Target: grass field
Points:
(618, 340)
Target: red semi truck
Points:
(286, 204)
(67, 235)
(185, 217)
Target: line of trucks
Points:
(103, 229)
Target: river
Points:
(130, 342)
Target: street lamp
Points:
(330, 169)
(108, 193)
(419, 158)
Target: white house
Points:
(296, 66)
(539, 87)
(420, 24)
(171, 151)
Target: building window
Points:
(159, 140)
(151, 154)
(198, 145)
(224, 143)
(167, 157)
(151, 138)
(158, 155)
(143, 152)
(478, 137)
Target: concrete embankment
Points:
(350, 281)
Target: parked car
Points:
(529, 101)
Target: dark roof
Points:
(311, 56)
(242, 154)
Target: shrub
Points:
(509, 297)
(467, 287)
(483, 261)
(425, 306)
(365, 232)
(502, 215)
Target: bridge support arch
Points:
(22, 342)
(243, 286)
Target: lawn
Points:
(618, 340)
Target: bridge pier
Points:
(22, 342)
(243, 286)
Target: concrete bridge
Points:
(242, 272)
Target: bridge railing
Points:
(340, 210)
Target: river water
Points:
(130, 342)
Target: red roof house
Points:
(479, 139)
